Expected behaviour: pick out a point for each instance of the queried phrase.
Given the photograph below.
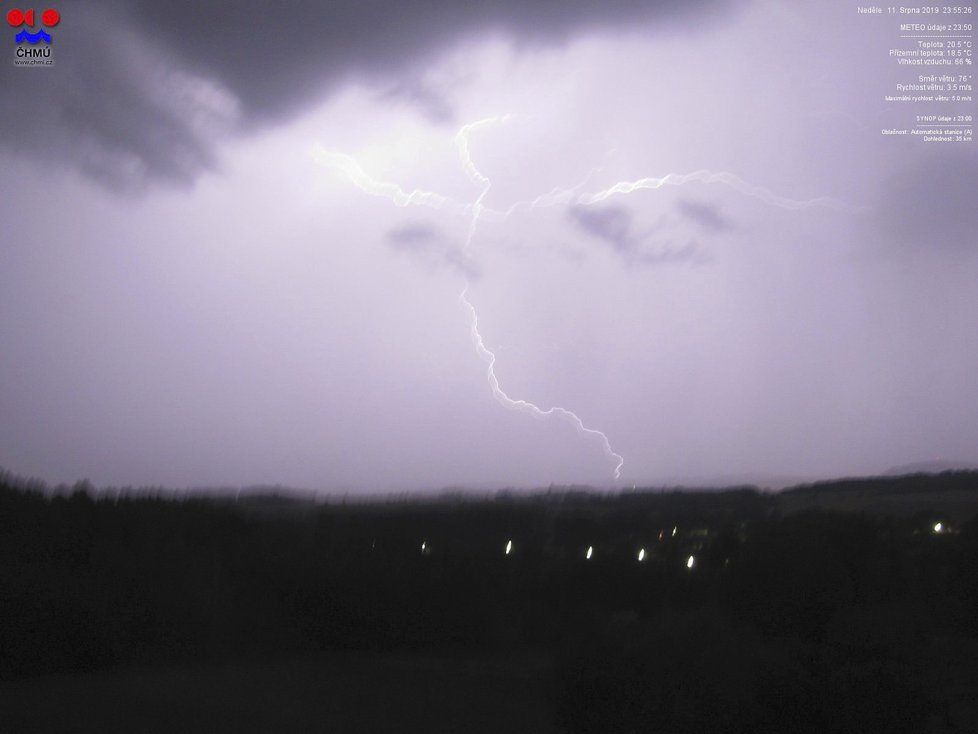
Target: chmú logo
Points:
(29, 33)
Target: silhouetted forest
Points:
(726, 611)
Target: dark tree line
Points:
(814, 621)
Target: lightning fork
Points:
(477, 210)
(462, 143)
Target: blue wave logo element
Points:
(41, 35)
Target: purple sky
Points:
(213, 271)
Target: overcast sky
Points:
(236, 237)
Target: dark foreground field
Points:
(834, 608)
(345, 692)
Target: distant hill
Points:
(718, 481)
(949, 495)
(930, 467)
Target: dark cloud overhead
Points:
(115, 106)
(274, 57)
(134, 84)
(433, 103)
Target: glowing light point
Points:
(509, 547)
(939, 527)
(690, 562)
(674, 531)
(641, 554)
(590, 552)
(424, 547)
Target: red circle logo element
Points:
(18, 17)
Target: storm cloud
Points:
(240, 233)
(614, 226)
(149, 90)
(705, 214)
(433, 247)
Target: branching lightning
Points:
(524, 405)
(462, 142)
(350, 168)
(477, 210)
(709, 177)
(484, 184)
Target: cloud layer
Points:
(147, 91)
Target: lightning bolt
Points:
(350, 168)
(524, 405)
(477, 210)
(484, 184)
(710, 177)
